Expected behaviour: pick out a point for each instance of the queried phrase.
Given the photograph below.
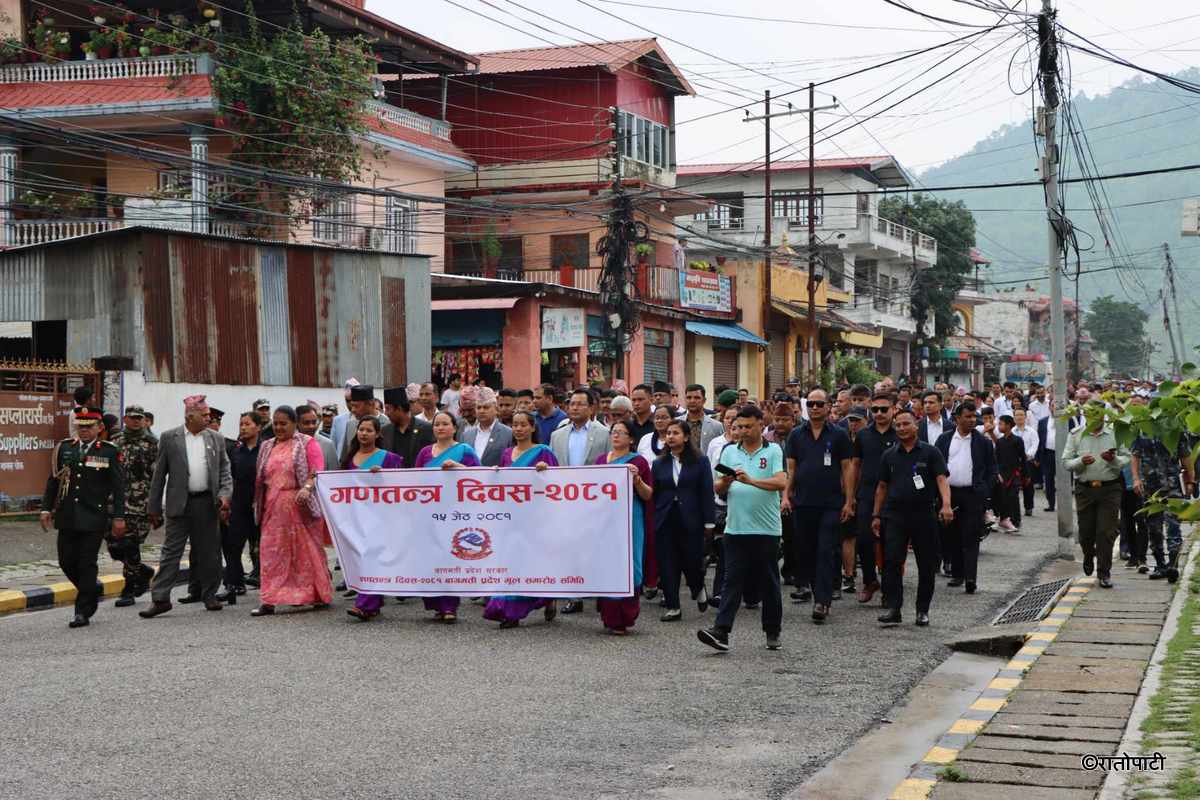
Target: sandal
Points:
(509, 623)
(449, 618)
(358, 613)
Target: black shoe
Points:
(1142, 568)
(955, 582)
(1088, 566)
(848, 586)
(922, 620)
(1131, 564)
(1049, 509)
(341, 587)
(155, 609)
(773, 642)
(572, 607)
(702, 599)
(837, 593)
(716, 639)
(350, 593)
(1105, 583)
(751, 606)
(252, 581)
(819, 613)
(651, 593)
(124, 601)
(802, 596)
(142, 585)
(1158, 574)
(672, 615)
(947, 569)
(190, 598)
(263, 611)
(78, 621)
(1029, 512)
(229, 596)
(213, 605)
(970, 587)
(1172, 574)
(891, 617)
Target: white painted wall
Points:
(165, 400)
(1004, 322)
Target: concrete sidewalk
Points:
(1069, 693)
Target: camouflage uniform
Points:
(139, 450)
(1159, 471)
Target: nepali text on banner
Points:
(563, 532)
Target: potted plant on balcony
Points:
(53, 45)
(643, 252)
(102, 43)
(490, 249)
(12, 50)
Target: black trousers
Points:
(1027, 487)
(866, 541)
(751, 558)
(921, 529)
(233, 541)
(77, 553)
(815, 538)
(1134, 535)
(680, 550)
(963, 534)
(1048, 466)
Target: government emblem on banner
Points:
(471, 544)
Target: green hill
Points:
(1142, 124)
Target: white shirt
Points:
(482, 436)
(450, 400)
(714, 457)
(196, 461)
(933, 429)
(1050, 434)
(1029, 436)
(1038, 410)
(1002, 406)
(676, 467)
(962, 467)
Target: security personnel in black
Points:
(85, 493)
(912, 479)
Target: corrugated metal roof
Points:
(717, 330)
(23, 277)
(886, 169)
(273, 333)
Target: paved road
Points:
(207, 705)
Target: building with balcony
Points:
(164, 101)
(865, 262)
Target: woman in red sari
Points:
(294, 568)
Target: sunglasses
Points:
(880, 410)
(816, 403)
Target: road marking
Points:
(967, 726)
(912, 789)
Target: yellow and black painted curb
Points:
(63, 592)
(923, 776)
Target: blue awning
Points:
(724, 330)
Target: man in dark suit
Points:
(405, 435)
(934, 421)
(972, 463)
(487, 435)
(1045, 429)
(193, 469)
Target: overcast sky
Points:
(806, 43)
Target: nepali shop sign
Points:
(705, 291)
(562, 327)
(563, 532)
(30, 426)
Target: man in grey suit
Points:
(580, 440)
(308, 422)
(703, 428)
(193, 468)
(488, 436)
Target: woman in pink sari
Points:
(294, 569)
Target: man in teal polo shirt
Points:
(752, 529)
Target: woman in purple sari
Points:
(619, 613)
(366, 453)
(510, 609)
(445, 453)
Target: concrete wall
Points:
(165, 400)
(1004, 323)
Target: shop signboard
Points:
(562, 327)
(704, 291)
(31, 424)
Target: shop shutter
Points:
(777, 362)
(725, 367)
(657, 365)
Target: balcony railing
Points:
(37, 231)
(410, 119)
(907, 235)
(172, 66)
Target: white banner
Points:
(563, 532)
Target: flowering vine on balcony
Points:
(294, 103)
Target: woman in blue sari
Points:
(619, 613)
(366, 453)
(445, 453)
(510, 609)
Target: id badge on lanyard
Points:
(829, 455)
(918, 481)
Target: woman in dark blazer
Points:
(683, 508)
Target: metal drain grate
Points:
(1034, 603)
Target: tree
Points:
(934, 289)
(1118, 329)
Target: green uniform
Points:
(85, 491)
(139, 450)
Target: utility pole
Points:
(1183, 351)
(1048, 68)
(767, 116)
(1170, 335)
(766, 303)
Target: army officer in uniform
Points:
(87, 480)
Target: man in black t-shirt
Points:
(912, 479)
(819, 495)
(869, 446)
